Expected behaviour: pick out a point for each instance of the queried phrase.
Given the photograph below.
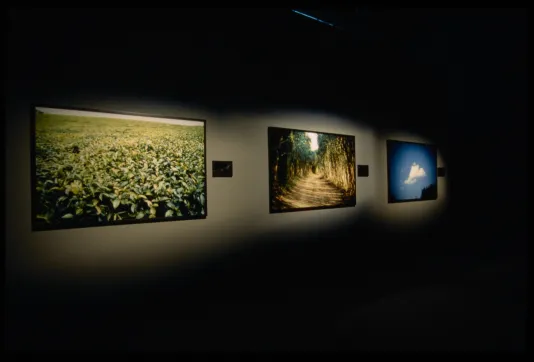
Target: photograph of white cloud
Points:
(412, 171)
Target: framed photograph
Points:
(93, 168)
(310, 170)
(412, 171)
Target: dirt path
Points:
(312, 191)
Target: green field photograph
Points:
(310, 170)
(94, 168)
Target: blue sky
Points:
(412, 167)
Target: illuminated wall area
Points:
(193, 87)
(238, 207)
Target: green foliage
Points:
(334, 159)
(96, 170)
(336, 156)
(292, 159)
(300, 156)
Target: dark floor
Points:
(285, 296)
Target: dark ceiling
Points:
(376, 58)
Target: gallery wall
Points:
(238, 207)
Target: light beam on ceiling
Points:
(313, 18)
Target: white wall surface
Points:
(238, 207)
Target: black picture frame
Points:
(222, 169)
(199, 194)
(363, 170)
(276, 151)
(425, 151)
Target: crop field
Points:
(92, 171)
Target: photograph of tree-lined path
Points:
(310, 170)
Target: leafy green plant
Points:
(92, 170)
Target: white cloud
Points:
(415, 173)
